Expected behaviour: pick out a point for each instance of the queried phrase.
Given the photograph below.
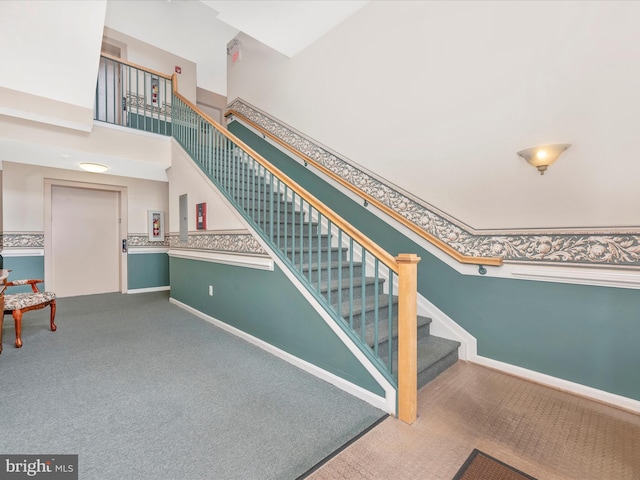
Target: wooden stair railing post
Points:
(407, 337)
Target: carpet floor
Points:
(140, 388)
(546, 433)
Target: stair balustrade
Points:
(357, 282)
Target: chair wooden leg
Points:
(53, 315)
(1, 322)
(17, 318)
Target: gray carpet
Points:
(139, 388)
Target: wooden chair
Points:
(19, 303)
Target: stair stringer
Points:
(388, 403)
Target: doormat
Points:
(480, 466)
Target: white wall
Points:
(438, 97)
(23, 195)
(154, 58)
(49, 53)
(53, 43)
(178, 27)
(184, 177)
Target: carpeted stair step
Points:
(289, 229)
(297, 256)
(249, 199)
(424, 328)
(435, 355)
(349, 289)
(356, 313)
(301, 243)
(260, 214)
(242, 190)
(312, 270)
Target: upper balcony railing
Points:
(132, 96)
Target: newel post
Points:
(407, 337)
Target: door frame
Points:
(49, 183)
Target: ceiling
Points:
(284, 25)
(201, 29)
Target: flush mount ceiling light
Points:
(543, 155)
(94, 167)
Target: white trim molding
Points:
(148, 290)
(144, 250)
(341, 383)
(248, 261)
(22, 252)
(582, 276)
(560, 384)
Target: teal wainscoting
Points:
(149, 124)
(267, 306)
(24, 267)
(583, 334)
(147, 270)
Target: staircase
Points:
(329, 267)
(352, 278)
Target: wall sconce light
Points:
(93, 167)
(543, 155)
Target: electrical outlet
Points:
(211, 290)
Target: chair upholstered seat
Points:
(20, 301)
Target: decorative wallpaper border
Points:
(142, 240)
(239, 243)
(138, 104)
(612, 249)
(22, 240)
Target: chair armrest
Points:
(25, 282)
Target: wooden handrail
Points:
(338, 221)
(125, 62)
(492, 261)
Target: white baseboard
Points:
(443, 326)
(147, 290)
(560, 384)
(355, 390)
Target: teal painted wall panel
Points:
(149, 124)
(583, 334)
(23, 268)
(147, 270)
(266, 305)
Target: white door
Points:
(85, 248)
